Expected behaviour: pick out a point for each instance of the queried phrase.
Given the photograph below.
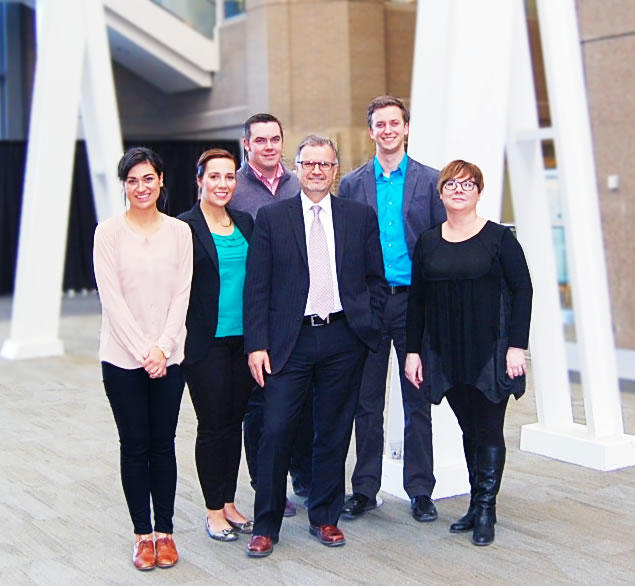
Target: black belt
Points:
(315, 320)
(394, 289)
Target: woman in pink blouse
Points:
(143, 268)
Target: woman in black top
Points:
(467, 330)
(215, 364)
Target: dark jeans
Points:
(326, 365)
(146, 412)
(219, 386)
(418, 476)
(480, 420)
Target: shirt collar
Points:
(257, 173)
(402, 167)
(325, 204)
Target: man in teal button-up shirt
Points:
(403, 192)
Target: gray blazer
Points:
(422, 207)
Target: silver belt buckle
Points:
(327, 321)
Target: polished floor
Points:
(64, 519)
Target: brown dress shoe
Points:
(329, 535)
(259, 546)
(143, 556)
(167, 555)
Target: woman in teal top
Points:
(215, 364)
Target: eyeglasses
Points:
(310, 165)
(452, 184)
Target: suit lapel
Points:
(296, 221)
(203, 233)
(412, 175)
(370, 184)
(339, 230)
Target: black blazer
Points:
(422, 207)
(277, 283)
(202, 313)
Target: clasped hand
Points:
(154, 363)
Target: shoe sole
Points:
(426, 519)
(327, 543)
(351, 516)
(456, 531)
(166, 566)
(259, 554)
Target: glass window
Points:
(197, 14)
(234, 7)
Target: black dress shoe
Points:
(423, 509)
(357, 505)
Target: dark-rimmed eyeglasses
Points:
(452, 184)
(310, 165)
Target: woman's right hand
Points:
(155, 363)
(413, 369)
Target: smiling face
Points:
(264, 147)
(316, 182)
(143, 186)
(388, 129)
(460, 198)
(218, 183)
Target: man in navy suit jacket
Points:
(405, 197)
(294, 353)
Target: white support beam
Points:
(100, 117)
(72, 62)
(601, 444)
(533, 224)
(47, 185)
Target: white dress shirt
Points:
(326, 218)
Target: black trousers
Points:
(300, 462)
(480, 420)
(418, 476)
(219, 387)
(327, 364)
(146, 412)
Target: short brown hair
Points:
(212, 154)
(458, 168)
(383, 102)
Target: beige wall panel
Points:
(600, 18)
(319, 65)
(610, 74)
(257, 57)
(400, 39)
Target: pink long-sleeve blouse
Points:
(144, 289)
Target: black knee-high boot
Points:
(466, 522)
(491, 461)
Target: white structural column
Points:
(100, 117)
(459, 102)
(533, 224)
(601, 443)
(69, 50)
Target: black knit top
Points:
(469, 302)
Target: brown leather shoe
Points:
(143, 556)
(167, 555)
(329, 535)
(260, 546)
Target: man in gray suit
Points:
(404, 194)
